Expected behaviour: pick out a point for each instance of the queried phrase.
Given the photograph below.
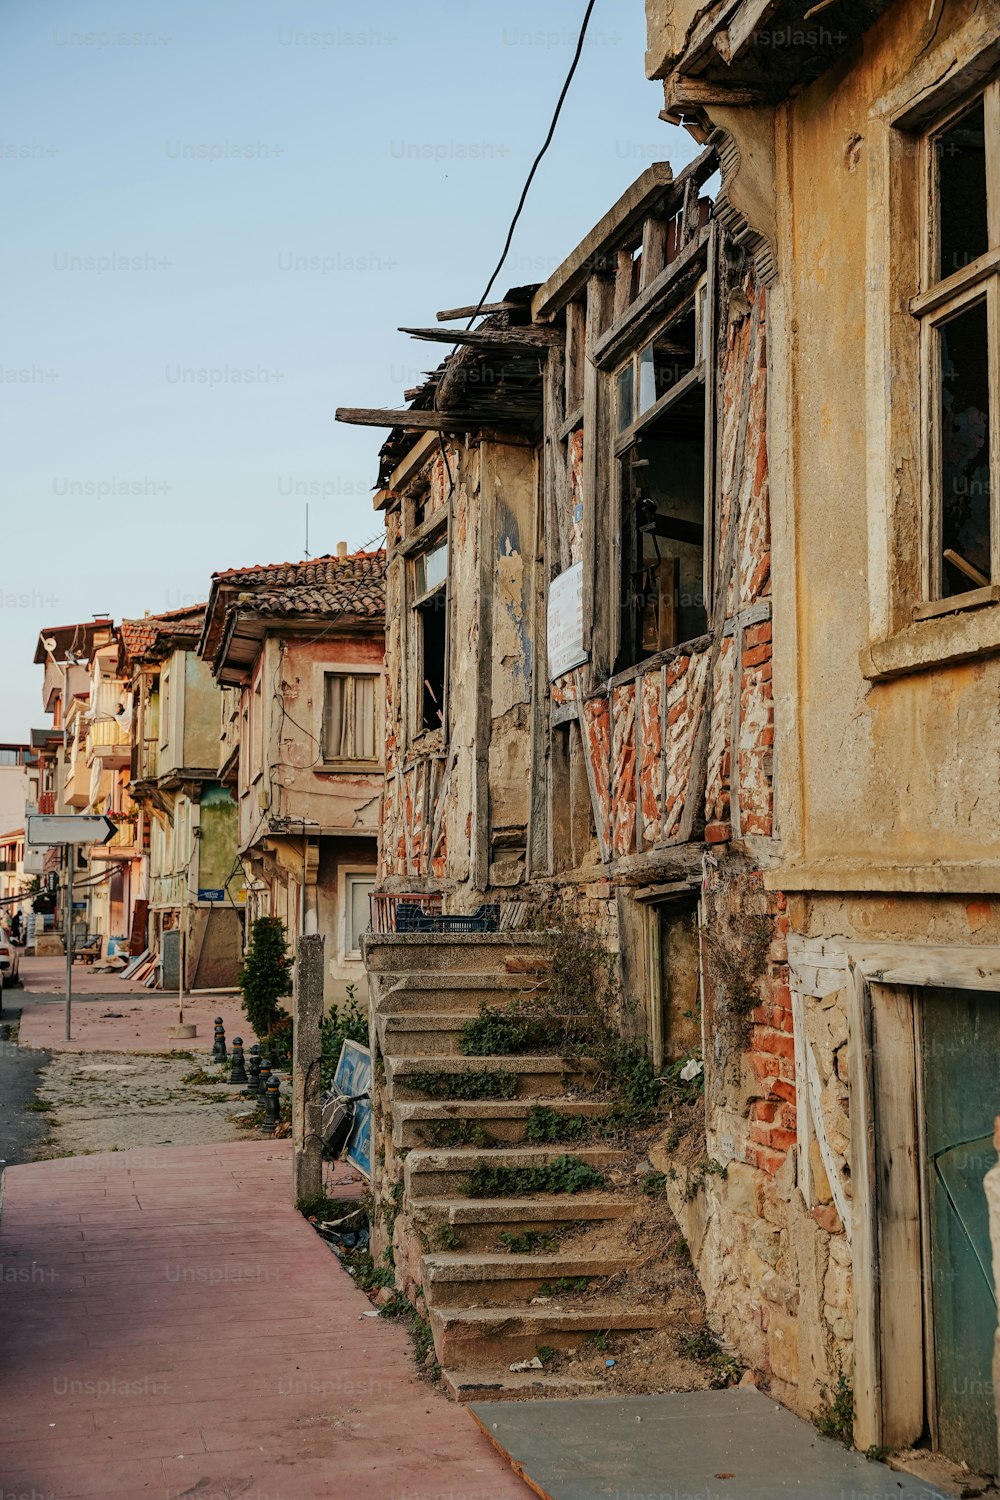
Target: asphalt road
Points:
(19, 1129)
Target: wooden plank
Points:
(864, 1245)
(576, 353)
(516, 340)
(414, 420)
(647, 307)
(897, 1190)
(599, 601)
(654, 250)
(624, 272)
(732, 42)
(814, 1092)
(477, 311)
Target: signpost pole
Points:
(70, 854)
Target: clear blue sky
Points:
(149, 257)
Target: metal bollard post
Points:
(253, 1087)
(265, 1074)
(219, 1054)
(272, 1107)
(239, 1072)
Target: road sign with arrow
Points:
(46, 829)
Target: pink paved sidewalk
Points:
(111, 1015)
(171, 1326)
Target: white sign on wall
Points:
(565, 622)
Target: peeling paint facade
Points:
(861, 169)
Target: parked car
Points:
(10, 957)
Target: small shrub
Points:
(265, 977)
(574, 1285)
(366, 1273)
(547, 1354)
(342, 1023)
(704, 1347)
(598, 1341)
(321, 1207)
(654, 1184)
(699, 1172)
(836, 1416)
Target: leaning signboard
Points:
(353, 1079)
(565, 622)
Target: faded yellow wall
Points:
(902, 771)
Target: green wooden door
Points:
(961, 1084)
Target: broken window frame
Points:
(439, 593)
(699, 299)
(350, 676)
(942, 299)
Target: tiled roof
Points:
(139, 637)
(353, 586)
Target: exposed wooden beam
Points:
(416, 421)
(471, 312)
(694, 93)
(423, 420)
(514, 339)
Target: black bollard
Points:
(239, 1072)
(253, 1087)
(219, 1054)
(272, 1107)
(265, 1074)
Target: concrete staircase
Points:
(480, 1294)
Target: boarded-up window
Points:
(349, 717)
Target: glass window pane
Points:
(359, 892)
(965, 451)
(623, 383)
(961, 205)
(431, 569)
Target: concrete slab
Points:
(689, 1445)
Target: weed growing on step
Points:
(563, 1285)
(449, 1133)
(566, 1174)
(445, 1238)
(495, 1084)
(547, 1354)
(547, 1127)
(419, 1331)
(654, 1185)
(497, 1033)
(835, 1419)
(531, 1242)
(704, 1347)
(598, 1341)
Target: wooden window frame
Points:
(351, 762)
(420, 735)
(700, 297)
(938, 301)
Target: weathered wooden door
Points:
(960, 1066)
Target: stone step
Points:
(535, 1074)
(469, 1279)
(481, 1337)
(456, 991)
(395, 954)
(502, 1119)
(430, 1173)
(478, 1222)
(501, 1384)
(436, 1033)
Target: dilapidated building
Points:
(861, 169)
(579, 700)
(298, 650)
